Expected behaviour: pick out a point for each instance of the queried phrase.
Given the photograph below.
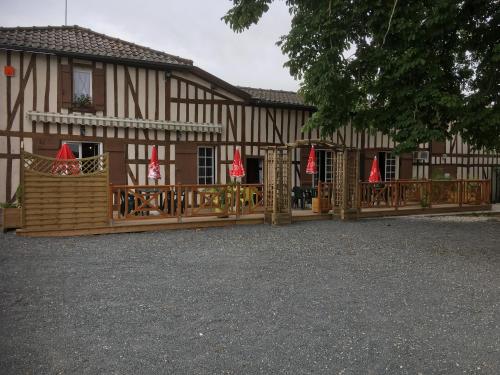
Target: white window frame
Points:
(80, 145)
(214, 160)
(328, 170)
(80, 69)
(387, 167)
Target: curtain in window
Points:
(81, 83)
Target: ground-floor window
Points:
(85, 149)
(324, 161)
(388, 166)
(206, 165)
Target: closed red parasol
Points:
(154, 167)
(311, 162)
(375, 172)
(238, 170)
(65, 163)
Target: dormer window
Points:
(82, 86)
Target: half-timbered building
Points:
(102, 94)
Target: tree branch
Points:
(390, 20)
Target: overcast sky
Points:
(188, 28)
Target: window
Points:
(85, 149)
(388, 166)
(82, 84)
(324, 161)
(206, 165)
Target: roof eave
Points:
(268, 103)
(87, 56)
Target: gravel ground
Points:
(385, 296)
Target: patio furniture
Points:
(298, 198)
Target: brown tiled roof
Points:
(79, 41)
(275, 96)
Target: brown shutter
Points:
(186, 163)
(438, 147)
(46, 146)
(117, 162)
(305, 179)
(405, 166)
(65, 92)
(99, 89)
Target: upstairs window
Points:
(82, 86)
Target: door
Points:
(117, 161)
(253, 170)
(185, 163)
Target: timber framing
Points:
(177, 107)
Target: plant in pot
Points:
(11, 212)
(82, 101)
(425, 200)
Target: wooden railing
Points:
(424, 193)
(133, 202)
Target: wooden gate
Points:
(342, 193)
(68, 194)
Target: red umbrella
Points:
(65, 163)
(311, 162)
(238, 170)
(375, 172)
(154, 167)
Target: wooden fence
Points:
(64, 194)
(425, 193)
(133, 202)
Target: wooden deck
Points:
(152, 224)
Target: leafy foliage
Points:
(416, 70)
(82, 101)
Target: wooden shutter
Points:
(186, 163)
(305, 179)
(99, 89)
(46, 146)
(117, 162)
(65, 92)
(438, 147)
(405, 166)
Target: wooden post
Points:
(460, 192)
(275, 167)
(126, 202)
(398, 186)
(289, 174)
(178, 190)
(21, 177)
(345, 190)
(320, 198)
(429, 192)
(238, 201)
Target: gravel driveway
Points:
(385, 296)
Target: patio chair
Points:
(298, 197)
(122, 203)
(168, 200)
(309, 194)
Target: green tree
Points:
(417, 70)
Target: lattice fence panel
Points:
(64, 194)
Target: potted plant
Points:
(82, 102)
(424, 200)
(11, 212)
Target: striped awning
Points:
(89, 119)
